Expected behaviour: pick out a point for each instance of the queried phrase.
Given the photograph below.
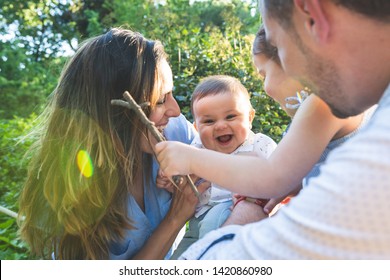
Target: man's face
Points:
(313, 69)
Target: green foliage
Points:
(37, 25)
(25, 80)
(12, 173)
(11, 247)
(25, 84)
(206, 39)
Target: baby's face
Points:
(223, 120)
(276, 83)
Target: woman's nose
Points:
(173, 109)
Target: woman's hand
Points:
(163, 182)
(182, 209)
(184, 200)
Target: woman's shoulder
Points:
(180, 129)
(177, 121)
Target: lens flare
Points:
(84, 163)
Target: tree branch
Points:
(8, 212)
(132, 105)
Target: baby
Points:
(223, 116)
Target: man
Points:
(340, 48)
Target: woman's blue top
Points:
(157, 201)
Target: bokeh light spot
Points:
(84, 163)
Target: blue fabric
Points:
(215, 217)
(157, 201)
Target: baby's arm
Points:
(178, 158)
(312, 128)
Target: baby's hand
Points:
(174, 157)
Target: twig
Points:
(132, 105)
(8, 212)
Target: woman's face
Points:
(165, 108)
(276, 83)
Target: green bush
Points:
(195, 55)
(12, 173)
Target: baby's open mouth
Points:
(224, 138)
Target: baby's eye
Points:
(229, 117)
(208, 121)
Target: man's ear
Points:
(315, 18)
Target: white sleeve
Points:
(208, 242)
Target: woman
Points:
(90, 191)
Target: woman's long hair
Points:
(87, 152)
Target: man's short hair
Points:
(281, 10)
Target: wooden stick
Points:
(8, 212)
(132, 105)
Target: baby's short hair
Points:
(217, 84)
